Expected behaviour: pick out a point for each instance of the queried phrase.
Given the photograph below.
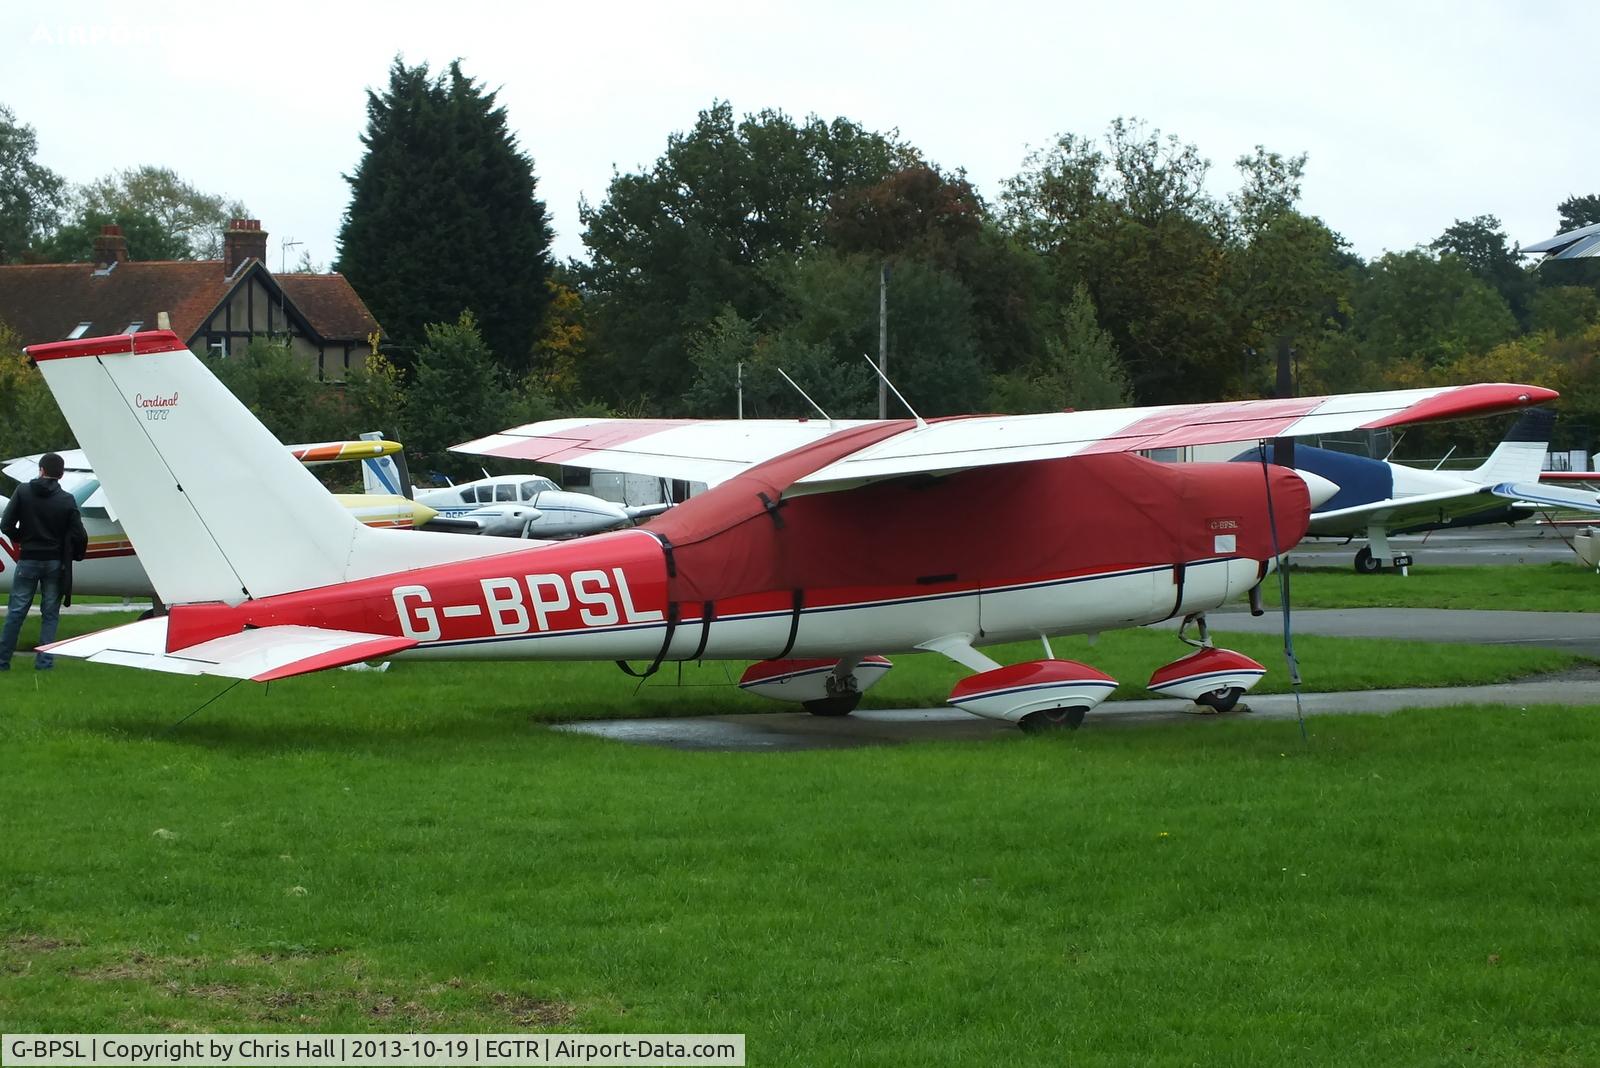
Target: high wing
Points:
(694, 450)
(714, 451)
(261, 654)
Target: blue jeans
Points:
(30, 575)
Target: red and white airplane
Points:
(820, 547)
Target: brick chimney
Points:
(110, 247)
(244, 240)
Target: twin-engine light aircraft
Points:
(820, 549)
(506, 506)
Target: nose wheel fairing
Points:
(1035, 693)
(822, 687)
(1211, 677)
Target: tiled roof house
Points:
(217, 306)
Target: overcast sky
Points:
(1414, 115)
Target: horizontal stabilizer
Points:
(1548, 496)
(260, 655)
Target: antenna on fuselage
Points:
(806, 395)
(921, 423)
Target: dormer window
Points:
(78, 331)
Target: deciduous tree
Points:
(1427, 310)
(457, 393)
(1078, 369)
(1481, 243)
(148, 238)
(30, 193)
(283, 391)
(1579, 211)
(1128, 217)
(30, 422)
(673, 244)
(191, 221)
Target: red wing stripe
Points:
(1226, 422)
(1466, 401)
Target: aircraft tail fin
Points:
(385, 475)
(216, 507)
(1520, 457)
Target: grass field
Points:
(1527, 588)
(1417, 889)
(564, 691)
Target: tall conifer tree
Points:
(444, 217)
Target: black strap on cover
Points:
(708, 612)
(794, 623)
(1177, 577)
(666, 642)
(666, 552)
(772, 509)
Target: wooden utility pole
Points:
(883, 342)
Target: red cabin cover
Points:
(983, 526)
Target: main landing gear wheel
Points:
(1222, 700)
(1053, 719)
(840, 704)
(1367, 564)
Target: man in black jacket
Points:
(42, 521)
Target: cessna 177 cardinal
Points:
(820, 549)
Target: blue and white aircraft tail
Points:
(1378, 498)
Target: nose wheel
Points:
(1222, 699)
(1053, 719)
(821, 687)
(840, 704)
(1214, 679)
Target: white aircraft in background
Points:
(111, 568)
(1377, 498)
(507, 506)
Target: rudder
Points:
(218, 509)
